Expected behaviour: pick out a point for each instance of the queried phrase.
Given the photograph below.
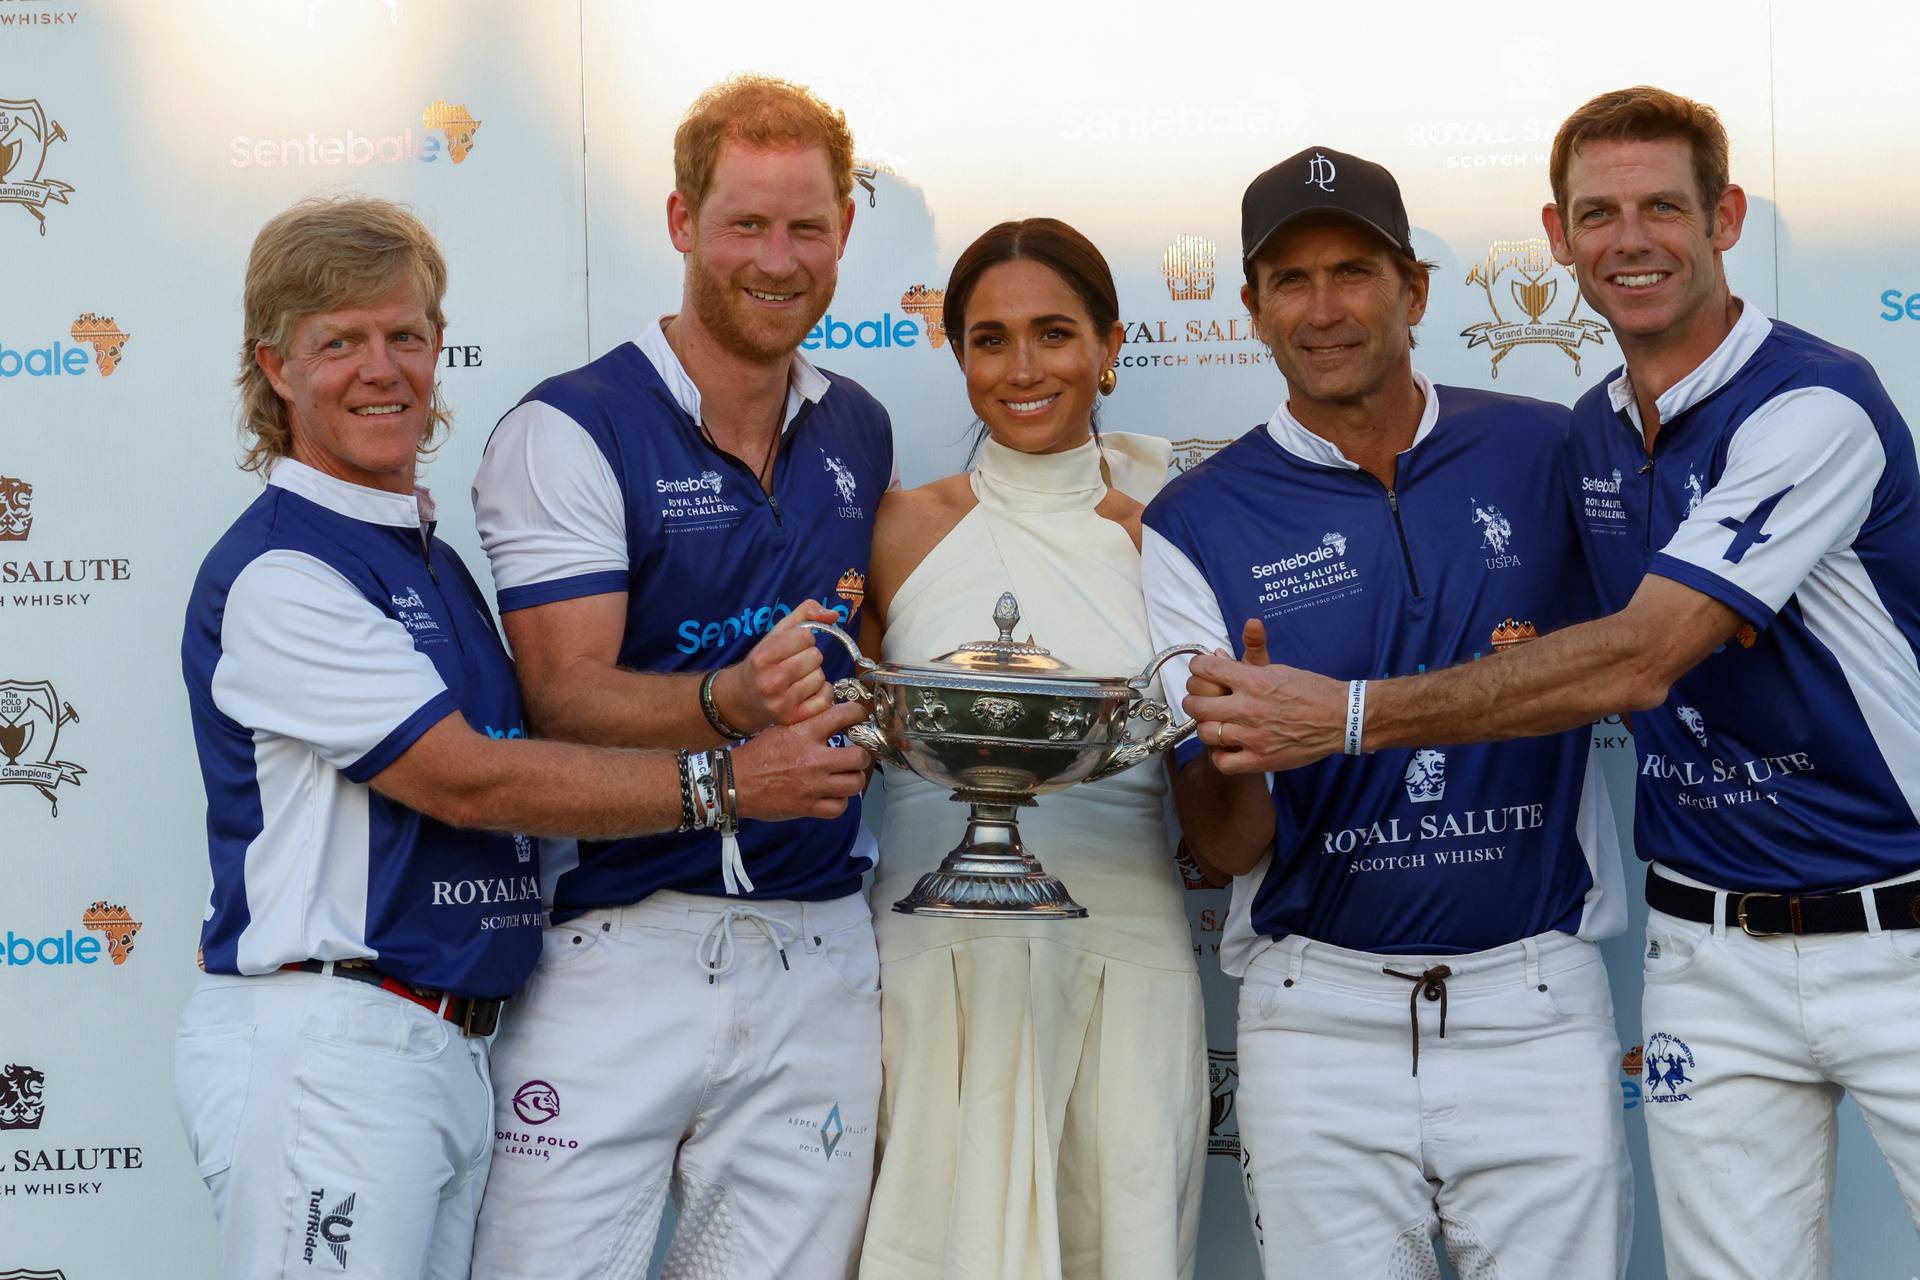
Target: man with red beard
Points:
(704, 1019)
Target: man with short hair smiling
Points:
(365, 759)
(1426, 1033)
(1750, 506)
(704, 1021)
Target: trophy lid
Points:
(1006, 656)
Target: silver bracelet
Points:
(1356, 714)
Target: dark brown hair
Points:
(1048, 241)
(1645, 114)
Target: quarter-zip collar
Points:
(805, 384)
(355, 501)
(1713, 373)
(1309, 447)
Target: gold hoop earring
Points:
(1107, 380)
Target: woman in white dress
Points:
(1044, 1111)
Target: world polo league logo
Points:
(31, 715)
(536, 1102)
(1532, 288)
(25, 136)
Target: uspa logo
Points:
(23, 1096)
(26, 134)
(93, 342)
(1496, 534)
(1188, 267)
(1223, 1081)
(1533, 285)
(447, 128)
(536, 1102)
(928, 307)
(31, 717)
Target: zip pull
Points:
(426, 555)
(774, 503)
(1393, 502)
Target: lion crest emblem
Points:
(1695, 722)
(16, 509)
(22, 1097)
(1426, 776)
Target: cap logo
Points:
(1320, 172)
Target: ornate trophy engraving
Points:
(1002, 722)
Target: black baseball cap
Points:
(1322, 180)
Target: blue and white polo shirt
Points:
(327, 631)
(1438, 850)
(1781, 483)
(601, 481)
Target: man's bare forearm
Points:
(1228, 821)
(1560, 681)
(593, 702)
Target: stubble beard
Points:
(724, 314)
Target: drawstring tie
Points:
(1433, 985)
(715, 949)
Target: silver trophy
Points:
(1001, 722)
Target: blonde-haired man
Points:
(364, 755)
(705, 1019)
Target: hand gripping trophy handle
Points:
(867, 736)
(1131, 750)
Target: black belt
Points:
(473, 1015)
(1770, 915)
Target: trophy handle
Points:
(1132, 751)
(867, 736)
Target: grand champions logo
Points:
(31, 717)
(1533, 286)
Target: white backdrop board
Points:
(536, 141)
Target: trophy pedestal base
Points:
(990, 874)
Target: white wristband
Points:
(1356, 714)
(706, 797)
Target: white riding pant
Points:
(1508, 1144)
(724, 1051)
(1750, 1043)
(340, 1128)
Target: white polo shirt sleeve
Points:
(305, 656)
(1798, 484)
(1181, 609)
(549, 510)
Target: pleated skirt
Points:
(1043, 1116)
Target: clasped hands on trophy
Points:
(1255, 717)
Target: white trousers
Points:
(1508, 1144)
(340, 1128)
(1749, 1044)
(626, 1075)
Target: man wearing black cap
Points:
(1426, 1034)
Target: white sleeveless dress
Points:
(1044, 1111)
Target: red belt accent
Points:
(473, 1015)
